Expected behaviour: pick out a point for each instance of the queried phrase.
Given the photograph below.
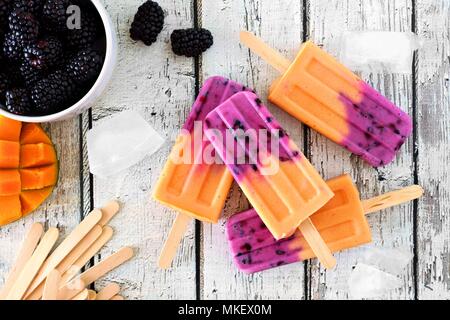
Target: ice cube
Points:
(367, 282)
(120, 142)
(379, 51)
(393, 261)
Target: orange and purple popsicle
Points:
(341, 223)
(280, 183)
(325, 95)
(188, 184)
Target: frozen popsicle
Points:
(187, 183)
(277, 179)
(341, 223)
(321, 92)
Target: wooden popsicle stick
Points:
(80, 249)
(173, 240)
(392, 199)
(92, 295)
(88, 254)
(25, 253)
(70, 259)
(66, 277)
(73, 286)
(106, 235)
(317, 244)
(33, 265)
(271, 56)
(66, 247)
(117, 297)
(108, 292)
(103, 267)
(109, 210)
(51, 287)
(70, 274)
(81, 296)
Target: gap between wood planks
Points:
(196, 4)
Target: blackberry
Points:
(148, 23)
(85, 36)
(12, 49)
(32, 6)
(30, 75)
(5, 8)
(18, 101)
(24, 26)
(191, 42)
(49, 94)
(45, 53)
(54, 13)
(85, 66)
(12, 69)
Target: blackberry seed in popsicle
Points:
(283, 187)
(321, 92)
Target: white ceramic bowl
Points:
(99, 86)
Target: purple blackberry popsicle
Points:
(194, 186)
(280, 183)
(325, 95)
(341, 223)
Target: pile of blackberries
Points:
(52, 53)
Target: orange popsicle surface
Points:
(328, 97)
(192, 186)
(341, 223)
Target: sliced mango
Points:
(10, 209)
(28, 168)
(10, 182)
(9, 129)
(37, 155)
(9, 154)
(38, 178)
(32, 133)
(32, 199)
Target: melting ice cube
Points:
(120, 142)
(379, 51)
(393, 261)
(368, 282)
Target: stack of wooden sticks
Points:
(40, 273)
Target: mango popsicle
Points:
(187, 183)
(325, 95)
(341, 223)
(277, 179)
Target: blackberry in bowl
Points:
(57, 57)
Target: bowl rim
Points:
(107, 67)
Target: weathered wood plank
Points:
(433, 128)
(280, 23)
(394, 227)
(62, 209)
(152, 81)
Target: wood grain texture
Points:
(278, 22)
(62, 208)
(160, 86)
(433, 128)
(390, 228)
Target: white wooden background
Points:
(162, 88)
